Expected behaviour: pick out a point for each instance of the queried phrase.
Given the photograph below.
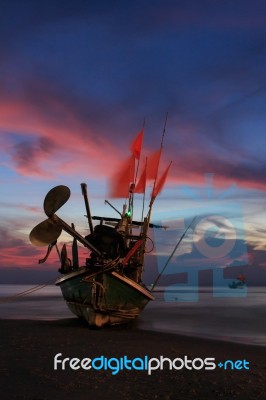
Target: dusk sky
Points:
(77, 80)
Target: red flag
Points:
(153, 164)
(137, 144)
(160, 183)
(140, 186)
(120, 183)
(130, 163)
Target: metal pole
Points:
(85, 195)
(75, 234)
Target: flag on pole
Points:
(153, 164)
(160, 183)
(140, 186)
(137, 144)
(120, 183)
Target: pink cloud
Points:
(256, 257)
(191, 165)
(16, 252)
(55, 142)
(20, 206)
(49, 146)
(28, 256)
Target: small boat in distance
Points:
(239, 283)
(107, 288)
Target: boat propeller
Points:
(49, 230)
(45, 233)
(55, 199)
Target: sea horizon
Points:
(233, 319)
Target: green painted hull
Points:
(106, 298)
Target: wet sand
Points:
(27, 364)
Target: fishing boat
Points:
(107, 288)
(239, 283)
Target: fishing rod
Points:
(172, 254)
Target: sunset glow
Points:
(77, 82)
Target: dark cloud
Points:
(27, 154)
(130, 60)
(196, 163)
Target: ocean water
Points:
(233, 316)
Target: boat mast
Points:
(146, 222)
(144, 195)
(132, 187)
(155, 180)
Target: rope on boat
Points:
(129, 314)
(24, 293)
(3, 300)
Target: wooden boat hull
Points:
(105, 298)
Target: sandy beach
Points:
(28, 349)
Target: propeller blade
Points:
(55, 199)
(45, 233)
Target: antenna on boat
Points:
(161, 148)
(172, 254)
(106, 201)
